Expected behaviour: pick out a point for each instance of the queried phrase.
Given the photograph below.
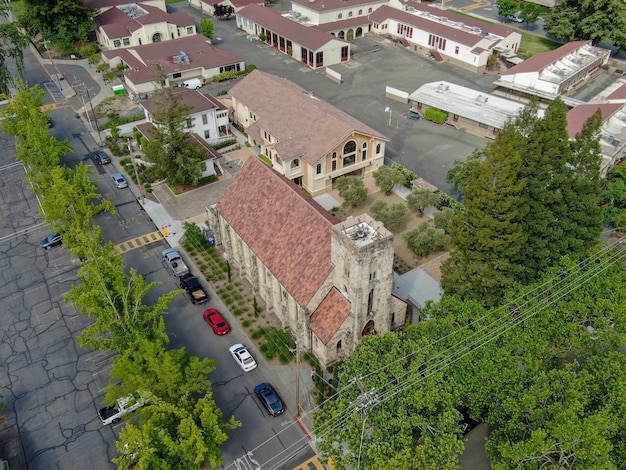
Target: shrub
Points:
(266, 160)
(436, 116)
(224, 143)
(245, 323)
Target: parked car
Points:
(102, 158)
(192, 285)
(515, 17)
(119, 180)
(242, 357)
(50, 123)
(216, 322)
(113, 414)
(174, 262)
(269, 399)
(51, 240)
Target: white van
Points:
(192, 83)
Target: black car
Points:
(269, 399)
(102, 158)
(50, 123)
(51, 240)
(192, 285)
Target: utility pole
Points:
(361, 403)
(58, 73)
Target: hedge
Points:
(436, 116)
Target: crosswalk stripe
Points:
(139, 241)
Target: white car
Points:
(119, 181)
(243, 358)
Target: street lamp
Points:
(388, 110)
(58, 73)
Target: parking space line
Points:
(139, 241)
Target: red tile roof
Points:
(343, 24)
(201, 55)
(296, 120)
(99, 4)
(422, 23)
(287, 230)
(193, 99)
(310, 38)
(326, 5)
(118, 24)
(330, 315)
(541, 60)
(576, 117)
(618, 94)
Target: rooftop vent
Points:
(443, 87)
(443, 19)
(482, 99)
(484, 32)
(181, 58)
(476, 29)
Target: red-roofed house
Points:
(178, 60)
(612, 131)
(461, 40)
(308, 140)
(329, 282)
(548, 75)
(137, 24)
(310, 46)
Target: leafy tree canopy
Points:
(387, 177)
(352, 190)
(420, 199)
(392, 216)
(601, 20)
(507, 7)
(58, 20)
(12, 44)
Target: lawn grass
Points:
(531, 43)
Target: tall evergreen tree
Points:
(487, 234)
(177, 155)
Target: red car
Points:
(216, 321)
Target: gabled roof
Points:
(576, 117)
(618, 94)
(429, 19)
(310, 38)
(286, 229)
(101, 4)
(193, 99)
(144, 59)
(326, 5)
(330, 315)
(118, 24)
(296, 120)
(541, 60)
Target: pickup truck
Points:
(113, 414)
(174, 262)
(192, 285)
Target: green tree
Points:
(352, 190)
(177, 429)
(425, 239)
(422, 419)
(178, 157)
(114, 299)
(443, 218)
(387, 177)
(420, 199)
(392, 216)
(61, 21)
(507, 7)
(206, 27)
(601, 20)
(461, 170)
(487, 234)
(12, 44)
(530, 12)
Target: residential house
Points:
(309, 141)
(549, 75)
(136, 24)
(208, 117)
(329, 282)
(310, 46)
(446, 36)
(612, 130)
(151, 66)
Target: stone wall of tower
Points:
(364, 273)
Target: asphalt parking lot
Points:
(427, 149)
